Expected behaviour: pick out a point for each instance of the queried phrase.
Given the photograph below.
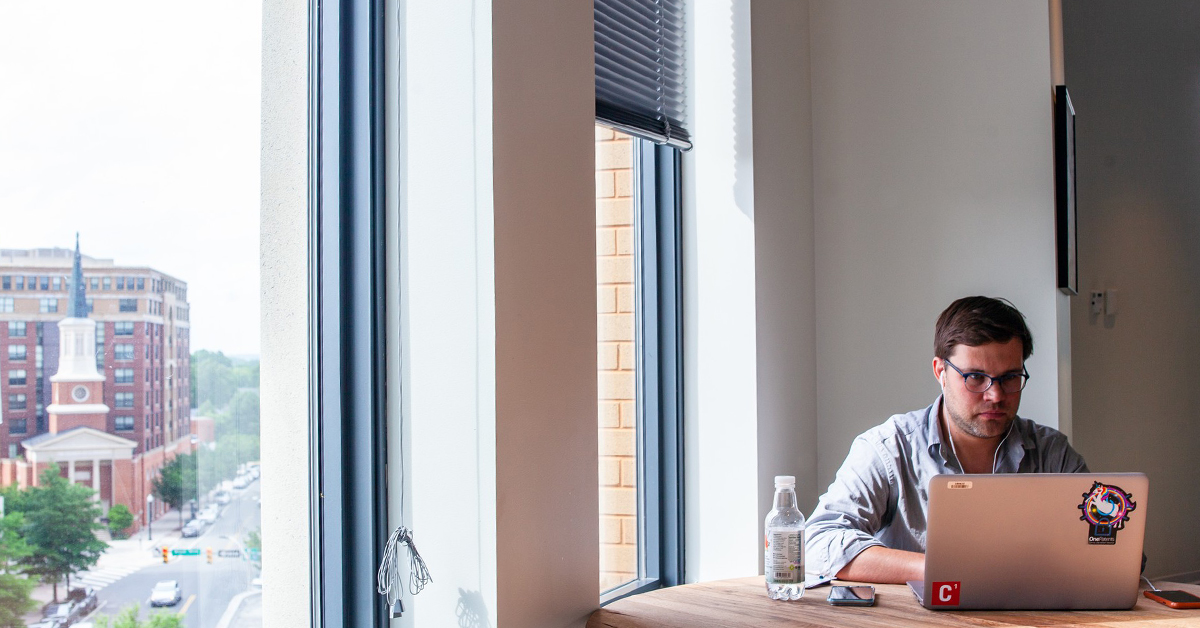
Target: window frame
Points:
(347, 270)
(657, 173)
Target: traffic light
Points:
(164, 554)
(209, 553)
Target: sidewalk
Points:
(244, 611)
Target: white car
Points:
(242, 481)
(222, 497)
(209, 515)
(165, 593)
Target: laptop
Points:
(1033, 541)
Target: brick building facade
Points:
(138, 320)
(616, 367)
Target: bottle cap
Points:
(785, 481)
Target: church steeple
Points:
(77, 299)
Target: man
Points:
(870, 525)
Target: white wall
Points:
(1133, 73)
(722, 521)
(446, 329)
(784, 262)
(932, 162)
(284, 318)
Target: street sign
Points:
(186, 552)
(229, 553)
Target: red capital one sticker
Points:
(945, 593)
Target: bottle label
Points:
(783, 562)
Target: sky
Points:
(136, 124)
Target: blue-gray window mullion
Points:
(669, 228)
(350, 506)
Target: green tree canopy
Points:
(128, 618)
(119, 520)
(14, 589)
(176, 482)
(60, 520)
(15, 600)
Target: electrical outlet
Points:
(1097, 303)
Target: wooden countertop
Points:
(744, 602)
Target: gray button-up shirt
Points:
(880, 495)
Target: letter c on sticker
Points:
(944, 592)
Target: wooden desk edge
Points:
(744, 602)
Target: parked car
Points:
(223, 497)
(192, 528)
(85, 599)
(209, 515)
(65, 613)
(165, 593)
(242, 481)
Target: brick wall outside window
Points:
(616, 368)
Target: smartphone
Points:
(1174, 599)
(852, 596)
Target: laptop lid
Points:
(1035, 541)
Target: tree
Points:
(128, 618)
(14, 589)
(119, 520)
(176, 482)
(15, 600)
(60, 524)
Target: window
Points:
(213, 135)
(17, 426)
(638, 311)
(12, 450)
(16, 377)
(32, 283)
(16, 329)
(48, 305)
(21, 282)
(17, 352)
(6, 304)
(91, 305)
(6, 282)
(17, 401)
(45, 282)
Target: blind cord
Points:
(388, 579)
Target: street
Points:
(206, 588)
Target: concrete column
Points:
(71, 471)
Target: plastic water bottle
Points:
(783, 562)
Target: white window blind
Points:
(640, 70)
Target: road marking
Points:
(191, 598)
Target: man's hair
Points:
(975, 321)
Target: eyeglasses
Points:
(980, 382)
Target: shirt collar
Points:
(1012, 449)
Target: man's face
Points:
(987, 414)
